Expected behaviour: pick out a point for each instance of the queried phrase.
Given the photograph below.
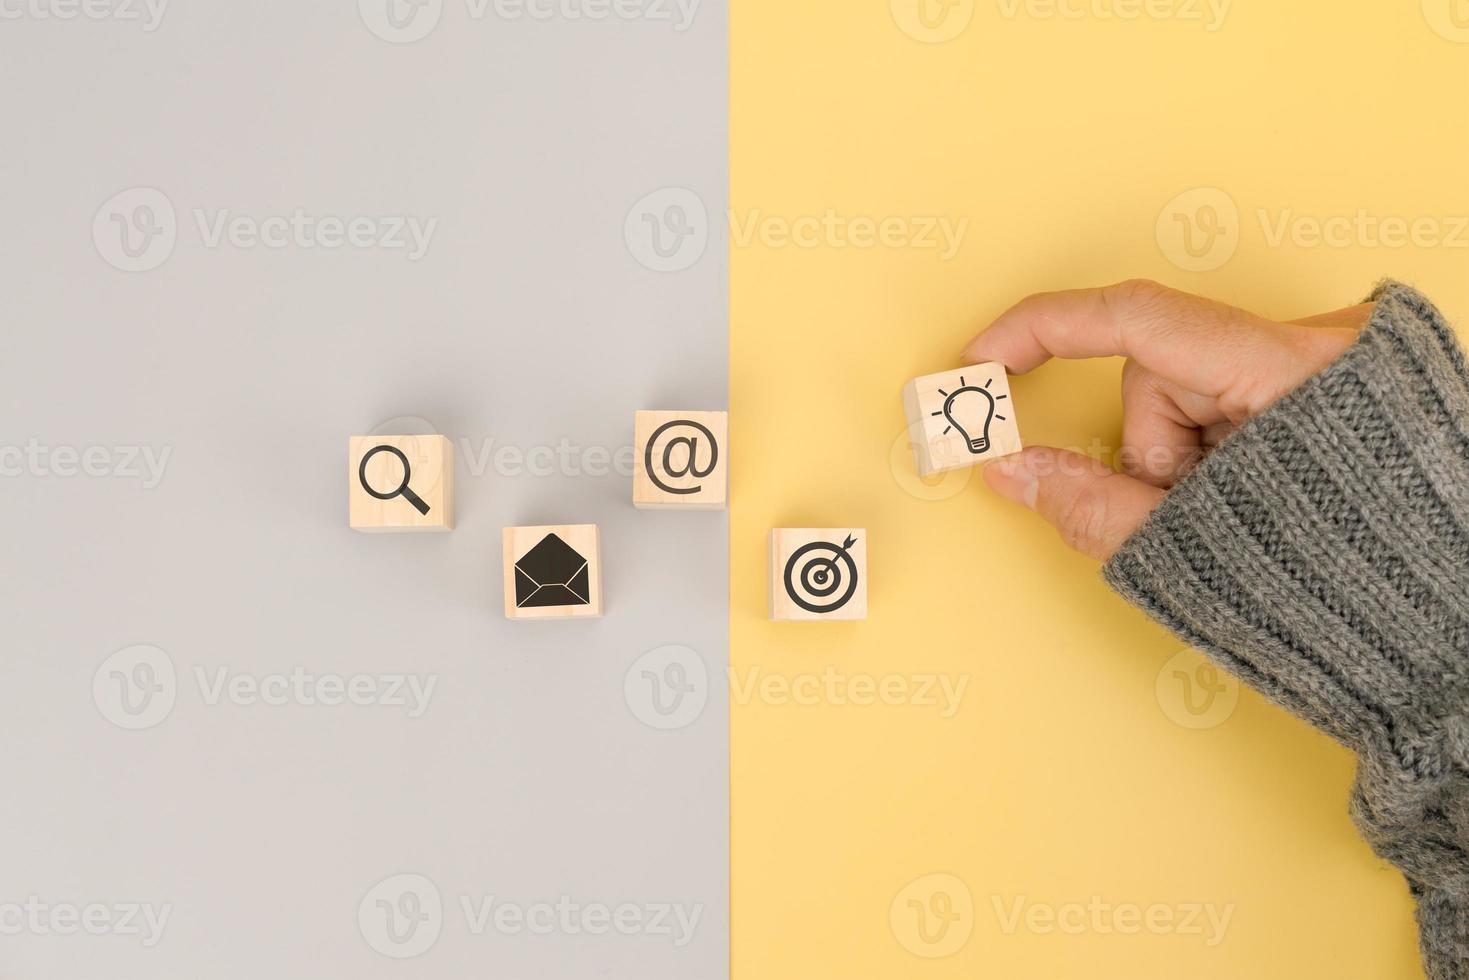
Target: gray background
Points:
(529, 321)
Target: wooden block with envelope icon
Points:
(400, 483)
(680, 460)
(553, 572)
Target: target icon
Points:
(821, 577)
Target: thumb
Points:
(1094, 508)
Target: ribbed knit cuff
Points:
(1321, 553)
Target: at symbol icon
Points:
(689, 467)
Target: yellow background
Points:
(1062, 777)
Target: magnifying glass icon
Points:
(402, 488)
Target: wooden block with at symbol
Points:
(400, 483)
(681, 460)
(553, 572)
(818, 573)
(960, 418)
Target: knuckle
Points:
(1137, 379)
(1085, 519)
(1135, 293)
(1131, 371)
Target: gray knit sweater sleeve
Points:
(1322, 554)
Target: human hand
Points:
(1195, 370)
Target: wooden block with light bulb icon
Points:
(818, 573)
(960, 418)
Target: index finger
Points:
(1195, 342)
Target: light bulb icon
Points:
(971, 410)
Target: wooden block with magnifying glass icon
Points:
(680, 460)
(960, 418)
(400, 483)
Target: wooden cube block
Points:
(818, 573)
(553, 572)
(400, 483)
(959, 418)
(681, 460)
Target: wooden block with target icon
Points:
(818, 573)
(400, 483)
(681, 460)
(960, 418)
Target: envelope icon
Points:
(552, 574)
